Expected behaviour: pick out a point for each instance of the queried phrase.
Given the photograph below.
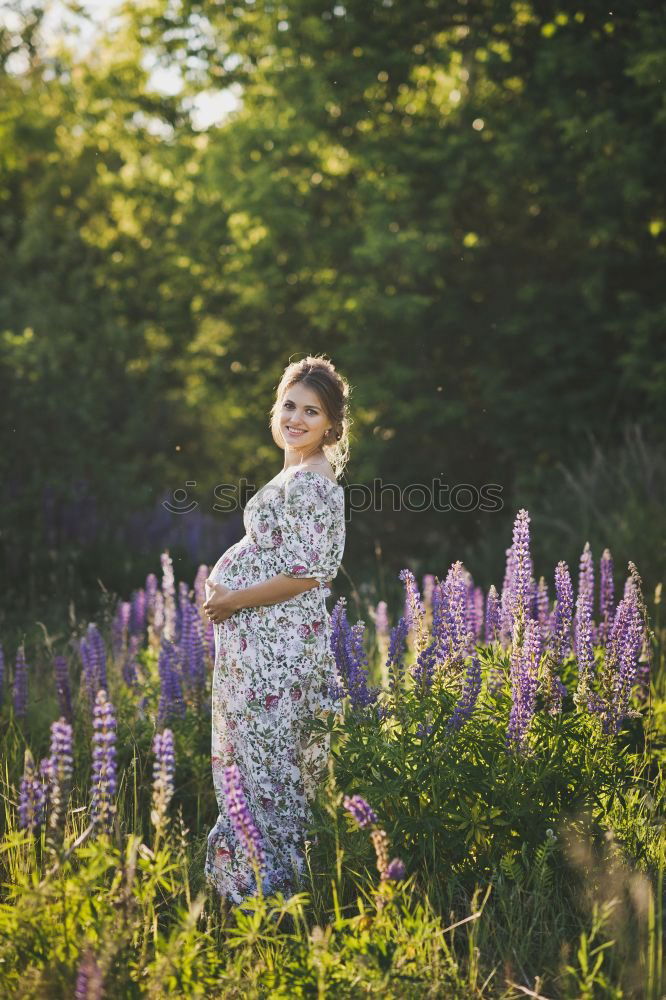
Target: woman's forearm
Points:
(278, 588)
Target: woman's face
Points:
(301, 411)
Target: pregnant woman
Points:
(274, 668)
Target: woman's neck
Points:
(316, 458)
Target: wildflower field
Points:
(491, 824)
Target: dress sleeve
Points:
(312, 528)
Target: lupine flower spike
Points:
(606, 595)
(20, 684)
(60, 784)
(31, 797)
(63, 686)
(363, 814)
(104, 780)
(241, 818)
(163, 774)
(89, 981)
(359, 810)
(524, 679)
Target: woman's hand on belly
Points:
(221, 603)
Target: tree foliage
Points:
(461, 204)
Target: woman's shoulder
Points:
(305, 473)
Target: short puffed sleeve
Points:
(312, 527)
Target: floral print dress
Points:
(274, 670)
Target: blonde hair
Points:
(333, 391)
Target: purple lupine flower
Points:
(525, 658)
(644, 670)
(359, 810)
(357, 667)
(183, 628)
(350, 657)
(163, 774)
(99, 652)
(606, 594)
(395, 871)
(151, 591)
(89, 979)
(468, 603)
(519, 604)
(31, 797)
(381, 619)
(119, 627)
(586, 576)
(454, 639)
(454, 593)
(130, 673)
(339, 626)
(104, 779)
(414, 612)
(60, 779)
(628, 663)
(468, 697)
(169, 595)
(63, 686)
(556, 632)
(137, 622)
(157, 624)
(584, 649)
(423, 731)
(88, 672)
(424, 668)
(93, 659)
(396, 652)
(561, 631)
(618, 675)
(241, 817)
(586, 589)
(171, 692)
(192, 649)
(493, 615)
(183, 597)
(20, 684)
(439, 631)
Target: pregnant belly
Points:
(242, 565)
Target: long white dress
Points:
(274, 669)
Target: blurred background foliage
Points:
(461, 204)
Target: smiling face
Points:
(303, 421)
